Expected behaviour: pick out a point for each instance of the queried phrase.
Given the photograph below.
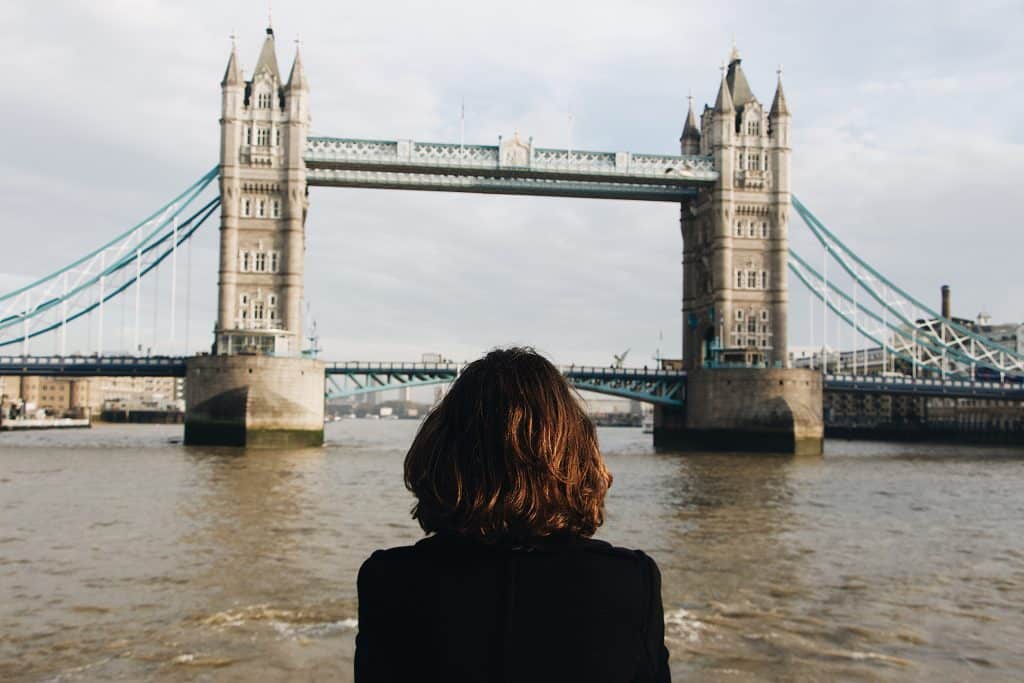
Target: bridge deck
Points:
(651, 385)
(511, 168)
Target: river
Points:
(126, 556)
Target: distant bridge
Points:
(665, 387)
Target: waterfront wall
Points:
(746, 409)
(886, 417)
(254, 401)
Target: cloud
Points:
(909, 147)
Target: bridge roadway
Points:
(649, 385)
(512, 167)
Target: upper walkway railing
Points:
(513, 167)
(952, 388)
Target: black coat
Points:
(452, 609)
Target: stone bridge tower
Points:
(257, 389)
(264, 123)
(735, 236)
(741, 394)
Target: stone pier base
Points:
(254, 401)
(745, 409)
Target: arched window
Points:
(245, 268)
(751, 229)
(246, 206)
(739, 228)
(764, 229)
(275, 208)
(261, 208)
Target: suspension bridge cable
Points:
(193, 190)
(206, 211)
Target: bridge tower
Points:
(264, 123)
(740, 392)
(256, 388)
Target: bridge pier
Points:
(745, 409)
(255, 401)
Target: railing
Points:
(955, 387)
(427, 157)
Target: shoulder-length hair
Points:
(508, 454)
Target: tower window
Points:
(261, 262)
(244, 299)
(752, 325)
(739, 279)
(261, 208)
(751, 279)
(739, 228)
(257, 310)
(263, 136)
(248, 135)
(275, 208)
(277, 137)
(764, 314)
(246, 207)
(272, 300)
(751, 229)
(764, 229)
(275, 259)
(245, 268)
(764, 279)
(263, 100)
(739, 314)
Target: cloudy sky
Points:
(907, 129)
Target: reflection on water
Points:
(124, 555)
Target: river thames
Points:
(126, 556)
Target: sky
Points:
(907, 141)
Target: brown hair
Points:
(508, 454)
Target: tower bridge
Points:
(731, 179)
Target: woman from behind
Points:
(508, 585)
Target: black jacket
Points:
(452, 609)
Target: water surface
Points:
(126, 556)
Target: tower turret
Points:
(690, 139)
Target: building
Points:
(264, 123)
(735, 236)
(87, 395)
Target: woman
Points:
(509, 586)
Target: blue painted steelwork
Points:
(93, 366)
(666, 387)
(190, 193)
(875, 384)
(925, 336)
(649, 386)
(514, 167)
(186, 230)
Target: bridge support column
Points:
(746, 409)
(254, 401)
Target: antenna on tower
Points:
(270, 14)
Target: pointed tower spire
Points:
(739, 88)
(233, 74)
(297, 77)
(690, 130)
(779, 106)
(268, 57)
(723, 103)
